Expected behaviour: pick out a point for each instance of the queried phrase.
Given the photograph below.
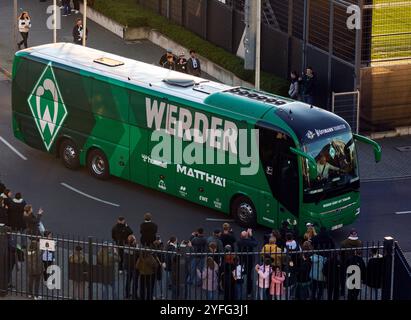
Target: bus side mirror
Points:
(312, 165)
(375, 145)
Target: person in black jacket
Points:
(2, 187)
(120, 233)
(323, 240)
(78, 32)
(130, 259)
(16, 213)
(356, 260)
(7, 196)
(374, 273)
(3, 213)
(32, 220)
(303, 277)
(332, 270)
(227, 237)
(247, 243)
(194, 64)
(148, 231)
(199, 243)
(171, 248)
(309, 81)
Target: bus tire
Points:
(98, 164)
(243, 211)
(69, 154)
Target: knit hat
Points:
(353, 235)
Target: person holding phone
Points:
(32, 220)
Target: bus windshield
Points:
(336, 164)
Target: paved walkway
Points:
(394, 164)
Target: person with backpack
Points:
(34, 269)
(209, 277)
(147, 266)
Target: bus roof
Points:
(242, 101)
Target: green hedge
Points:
(131, 14)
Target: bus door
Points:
(268, 214)
(281, 171)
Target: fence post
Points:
(90, 268)
(4, 268)
(388, 269)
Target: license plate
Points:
(338, 226)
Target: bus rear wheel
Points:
(98, 165)
(69, 154)
(243, 211)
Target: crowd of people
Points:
(230, 268)
(191, 66)
(218, 266)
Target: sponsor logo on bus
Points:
(201, 175)
(47, 106)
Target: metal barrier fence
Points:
(347, 106)
(59, 268)
(402, 280)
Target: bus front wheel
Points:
(69, 154)
(243, 211)
(98, 165)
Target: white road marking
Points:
(13, 148)
(220, 220)
(402, 212)
(88, 196)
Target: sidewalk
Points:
(394, 164)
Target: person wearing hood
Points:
(16, 213)
(294, 91)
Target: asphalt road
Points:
(40, 179)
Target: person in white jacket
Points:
(24, 28)
(263, 281)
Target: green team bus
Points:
(95, 109)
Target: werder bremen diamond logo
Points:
(47, 106)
